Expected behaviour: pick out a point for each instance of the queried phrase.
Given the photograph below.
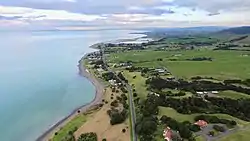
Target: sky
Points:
(102, 14)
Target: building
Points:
(160, 70)
(214, 92)
(200, 93)
(167, 134)
(113, 82)
(201, 123)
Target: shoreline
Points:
(99, 89)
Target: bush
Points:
(211, 133)
(117, 118)
(219, 128)
(88, 137)
(114, 103)
(124, 97)
(123, 130)
(194, 128)
(69, 138)
(118, 98)
(134, 94)
(233, 123)
(104, 139)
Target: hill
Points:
(237, 30)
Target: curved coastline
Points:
(99, 89)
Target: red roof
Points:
(201, 123)
(167, 133)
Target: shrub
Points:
(211, 133)
(219, 128)
(88, 137)
(123, 130)
(114, 103)
(134, 94)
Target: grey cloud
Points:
(214, 5)
(10, 18)
(152, 11)
(87, 6)
(214, 14)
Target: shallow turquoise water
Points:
(39, 81)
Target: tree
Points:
(134, 94)
(194, 128)
(219, 128)
(88, 137)
(114, 103)
(211, 133)
(69, 138)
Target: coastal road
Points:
(131, 102)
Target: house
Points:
(99, 70)
(112, 82)
(167, 134)
(214, 92)
(200, 93)
(201, 123)
(160, 70)
(170, 78)
(152, 93)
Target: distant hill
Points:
(237, 30)
(182, 31)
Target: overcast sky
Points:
(92, 14)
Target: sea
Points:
(39, 78)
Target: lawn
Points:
(225, 64)
(70, 126)
(233, 95)
(182, 117)
(238, 136)
(199, 138)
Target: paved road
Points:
(131, 102)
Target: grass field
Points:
(225, 64)
(238, 136)
(139, 82)
(199, 138)
(182, 117)
(70, 126)
(233, 95)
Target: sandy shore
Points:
(97, 100)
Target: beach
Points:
(91, 105)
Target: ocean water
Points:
(39, 80)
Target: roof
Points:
(167, 133)
(201, 123)
(200, 92)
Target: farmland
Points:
(175, 70)
(221, 67)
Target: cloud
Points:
(123, 13)
(214, 5)
(213, 14)
(10, 18)
(152, 10)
